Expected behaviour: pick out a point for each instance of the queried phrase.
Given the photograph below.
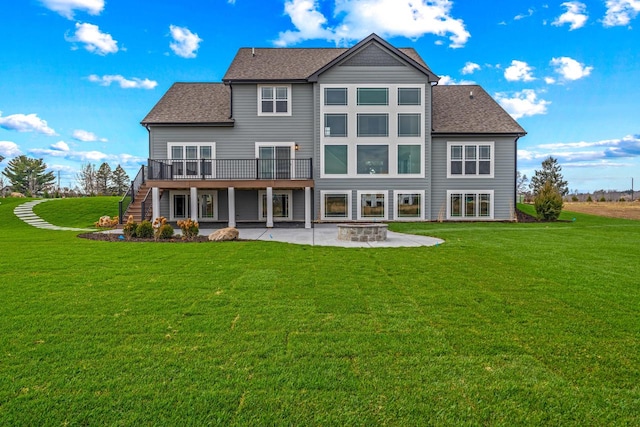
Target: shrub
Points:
(130, 228)
(602, 199)
(574, 198)
(144, 230)
(190, 229)
(589, 199)
(164, 232)
(548, 202)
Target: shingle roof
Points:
(455, 111)
(192, 103)
(288, 64)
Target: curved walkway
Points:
(25, 213)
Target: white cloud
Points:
(575, 15)
(549, 80)
(522, 104)
(185, 43)
(93, 39)
(86, 136)
(449, 81)
(620, 12)
(524, 15)
(132, 83)
(26, 123)
(470, 67)
(356, 19)
(62, 150)
(519, 71)
(66, 8)
(9, 149)
(570, 69)
(60, 146)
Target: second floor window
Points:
(470, 160)
(274, 100)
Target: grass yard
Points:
(504, 324)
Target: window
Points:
(373, 159)
(335, 159)
(274, 161)
(371, 205)
(335, 205)
(470, 204)
(409, 159)
(470, 160)
(408, 205)
(335, 96)
(373, 96)
(335, 125)
(373, 125)
(191, 160)
(274, 100)
(409, 96)
(281, 205)
(409, 124)
(180, 205)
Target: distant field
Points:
(505, 324)
(625, 210)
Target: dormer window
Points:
(274, 100)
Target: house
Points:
(301, 135)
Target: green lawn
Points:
(504, 324)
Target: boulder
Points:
(14, 194)
(224, 234)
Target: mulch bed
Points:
(107, 237)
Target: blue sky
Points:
(78, 76)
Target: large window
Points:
(191, 160)
(373, 159)
(409, 159)
(408, 205)
(335, 159)
(409, 96)
(274, 100)
(372, 205)
(335, 125)
(373, 125)
(281, 203)
(373, 96)
(180, 205)
(335, 205)
(470, 204)
(275, 160)
(470, 160)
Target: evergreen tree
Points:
(103, 178)
(119, 181)
(28, 175)
(87, 179)
(550, 172)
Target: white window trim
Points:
(292, 153)
(170, 146)
(289, 101)
(477, 144)
(187, 193)
(470, 218)
(397, 193)
(385, 193)
(263, 215)
(392, 141)
(349, 195)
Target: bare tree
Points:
(86, 179)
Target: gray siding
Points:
(503, 182)
(373, 75)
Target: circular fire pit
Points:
(362, 232)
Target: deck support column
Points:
(231, 192)
(269, 207)
(155, 203)
(307, 207)
(193, 201)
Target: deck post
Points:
(307, 207)
(193, 201)
(155, 202)
(269, 207)
(231, 193)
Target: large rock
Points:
(15, 194)
(224, 234)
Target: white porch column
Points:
(232, 206)
(307, 207)
(269, 207)
(155, 203)
(194, 203)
